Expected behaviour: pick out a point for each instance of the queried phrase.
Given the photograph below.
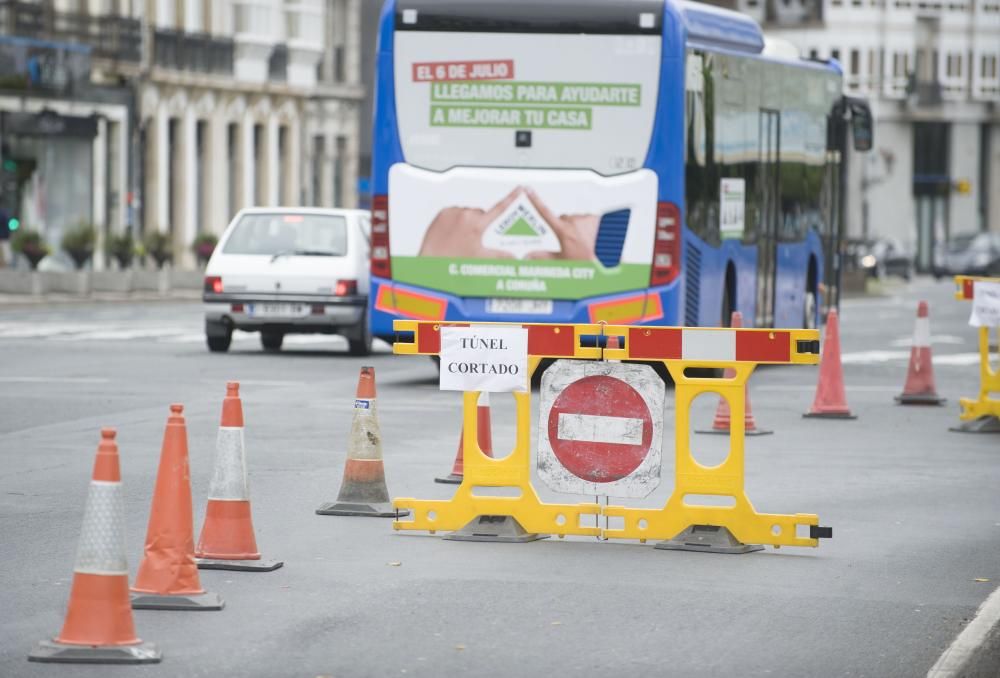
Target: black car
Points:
(972, 254)
(878, 258)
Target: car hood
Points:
(287, 274)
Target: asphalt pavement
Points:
(914, 508)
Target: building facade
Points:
(228, 104)
(931, 71)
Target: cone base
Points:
(451, 479)
(504, 529)
(987, 424)
(62, 653)
(374, 510)
(746, 432)
(920, 399)
(707, 539)
(829, 415)
(194, 602)
(238, 565)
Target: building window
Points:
(855, 62)
(232, 153)
(988, 67)
(318, 158)
(835, 54)
(953, 66)
(813, 54)
(259, 186)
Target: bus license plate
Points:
(274, 310)
(514, 306)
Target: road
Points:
(915, 511)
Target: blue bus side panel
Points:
(386, 149)
(790, 286)
(705, 271)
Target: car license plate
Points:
(513, 306)
(274, 310)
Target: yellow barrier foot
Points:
(494, 528)
(748, 432)
(707, 539)
(988, 424)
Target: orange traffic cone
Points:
(227, 540)
(363, 491)
(919, 388)
(831, 399)
(98, 627)
(485, 437)
(168, 576)
(721, 422)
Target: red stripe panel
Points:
(428, 338)
(659, 343)
(551, 340)
(967, 289)
(763, 346)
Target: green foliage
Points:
(158, 246)
(122, 249)
(79, 243)
(31, 244)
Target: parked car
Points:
(971, 254)
(282, 271)
(878, 258)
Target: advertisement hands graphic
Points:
(577, 233)
(458, 231)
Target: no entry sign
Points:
(600, 428)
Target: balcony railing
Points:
(196, 52)
(109, 37)
(925, 92)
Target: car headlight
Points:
(868, 261)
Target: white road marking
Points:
(876, 357)
(54, 380)
(954, 659)
(597, 429)
(906, 342)
(807, 387)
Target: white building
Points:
(171, 115)
(931, 70)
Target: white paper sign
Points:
(732, 207)
(491, 359)
(985, 304)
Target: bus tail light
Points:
(380, 265)
(666, 244)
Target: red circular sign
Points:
(598, 461)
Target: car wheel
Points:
(218, 336)
(362, 345)
(271, 341)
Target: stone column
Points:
(160, 176)
(247, 162)
(293, 162)
(99, 190)
(272, 161)
(216, 175)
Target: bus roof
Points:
(711, 27)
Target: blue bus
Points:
(629, 161)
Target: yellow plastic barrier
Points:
(982, 414)
(679, 349)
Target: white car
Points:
(281, 270)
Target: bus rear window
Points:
(526, 100)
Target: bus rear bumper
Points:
(391, 300)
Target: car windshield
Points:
(277, 234)
(960, 243)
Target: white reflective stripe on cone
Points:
(102, 539)
(484, 399)
(229, 480)
(922, 333)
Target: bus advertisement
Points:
(631, 161)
